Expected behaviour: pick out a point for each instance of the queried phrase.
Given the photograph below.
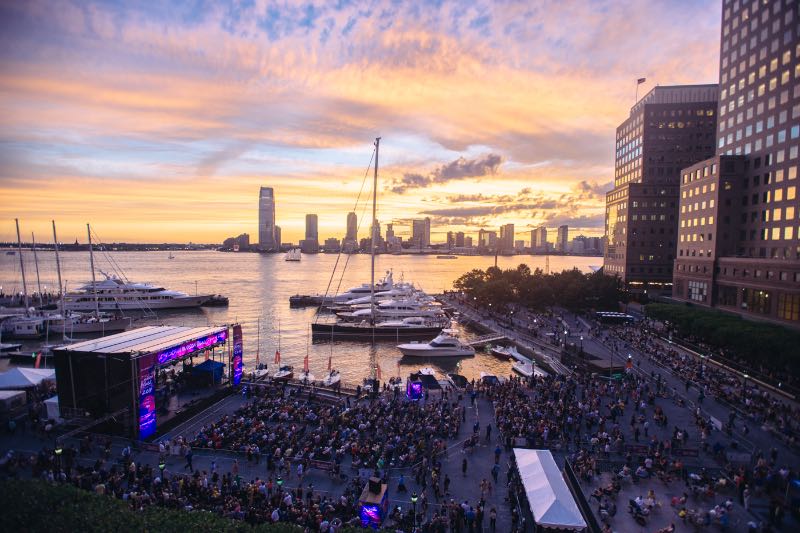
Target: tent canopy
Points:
(23, 378)
(550, 500)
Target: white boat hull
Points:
(138, 304)
(332, 380)
(423, 350)
(103, 326)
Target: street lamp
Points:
(581, 344)
(162, 464)
(414, 503)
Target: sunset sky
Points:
(158, 121)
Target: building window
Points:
(755, 301)
(698, 290)
(789, 306)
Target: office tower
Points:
(312, 228)
(421, 232)
(562, 238)
(266, 219)
(539, 239)
(668, 129)
(390, 233)
(352, 227)
(460, 239)
(310, 245)
(451, 240)
(277, 234)
(467, 242)
(739, 236)
(519, 245)
(507, 237)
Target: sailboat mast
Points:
(36, 262)
(60, 286)
(91, 263)
(22, 267)
(372, 242)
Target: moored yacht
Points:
(446, 344)
(115, 294)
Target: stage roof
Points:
(148, 339)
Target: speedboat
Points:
(446, 344)
(506, 352)
(306, 376)
(524, 368)
(332, 379)
(456, 381)
(285, 372)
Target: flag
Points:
(329, 364)
(38, 360)
(378, 371)
(305, 364)
(277, 357)
(641, 81)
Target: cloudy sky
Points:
(158, 121)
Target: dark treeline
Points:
(571, 289)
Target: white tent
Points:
(52, 407)
(550, 500)
(23, 378)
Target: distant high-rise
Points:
(421, 232)
(467, 242)
(562, 238)
(266, 220)
(312, 228)
(460, 239)
(507, 237)
(539, 239)
(352, 227)
(451, 241)
(277, 237)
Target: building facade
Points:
(668, 129)
(352, 227)
(562, 238)
(421, 232)
(506, 237)
(266, 220)
(750, 260)
(539, 239)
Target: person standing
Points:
(188, 458)
(464, 466)
(493, 519)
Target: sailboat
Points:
(170, 256)
(408, 328)
(293, 255)
(334, 377)
(306, 376)
(285, 372)
(261, 369)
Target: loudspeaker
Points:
(375, 485)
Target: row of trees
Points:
(772, 349)
(32, 505)
(571, 289)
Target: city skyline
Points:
(161, 123)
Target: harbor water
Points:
(259, 287)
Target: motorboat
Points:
(73, 323)
(332, 379)
(446, 344)
(24, 327)
(525, 368)
(456, 381)
(286, 372)
(395, 308)
(293, 255)
(365, 289)
(506, 352)
(115, 294)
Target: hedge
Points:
(31, 505)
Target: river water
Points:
(259, 287)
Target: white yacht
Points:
(293, 255)
(446, 344)
(365, 289)
(115, 294)
(389, 309)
